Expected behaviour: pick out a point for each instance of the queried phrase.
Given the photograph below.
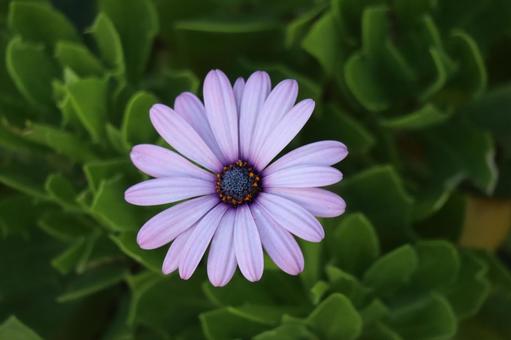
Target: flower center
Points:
(238, 183)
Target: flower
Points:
(233, 200)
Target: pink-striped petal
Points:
(284, 132)
(167, 225)
(255, 93)
(238, 88)
(199, 240)
(292, 217)
(303, 177)
(191, 109)
(278, 243)
(221, 258)
(168, 190)
(157, 161)
(319, 153)
(182, 137)
(171, 261)
(319, 202)
(279, 102)
(222, 113)
(247, 245)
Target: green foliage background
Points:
(420, 91)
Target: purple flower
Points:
(232, 199)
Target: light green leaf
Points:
(40, 22)
(335, 318)
(136, 126)
(354, 244)
(78, 58)
(32, 71)
(93, 281)
(137, 24)
(428, 318)
(98, 171)
(13, 329)
(61, 141)
(392, 270)
(108, 43)
(426, 116)
(322, 42)
(287, 332)
(379, 193)
(89, 97)
(151, 259)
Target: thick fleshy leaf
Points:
(108, 43)
(199, 240)
(167, 225)
(136, 125)
(40, 22)
(78, 58)
(178, 133)
(335, 318)
(222, 113)
(292, 217)
(222, 258)
(247, 245)
(14, 329)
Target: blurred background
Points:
(420, 92)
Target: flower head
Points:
(231, 198)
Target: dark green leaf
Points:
(151, 259)
(13, 329)
(136, 126)
(335, 318)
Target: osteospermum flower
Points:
(231, 198)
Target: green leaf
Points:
(13, 329)
(313, 263)
(438, 265)
(39, 22)
(490, 111)
(346, 284)
(65, 227)
(426, 116)
(98, 171)
(11, 221)
(361, 79)
(322, 42)
(32, 71)
(440, 75)
(335, 318)
(89, 98)
(61, 190)
(379, 193)
(71, 257)
(287, 332)
(471, 78)
(61, 141)
(333, 123)
(110, 208)
(78, 58)
(471, 288)
(151, 259)
(92, 282)
(225, 26)
(296, 29)
(461, 150)
(238, 322)
(392, 270)
(354, 244)
(150, 305)
(318, 291)
(136, 126)
(429, 318)
(108, 43)
(137, 24)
